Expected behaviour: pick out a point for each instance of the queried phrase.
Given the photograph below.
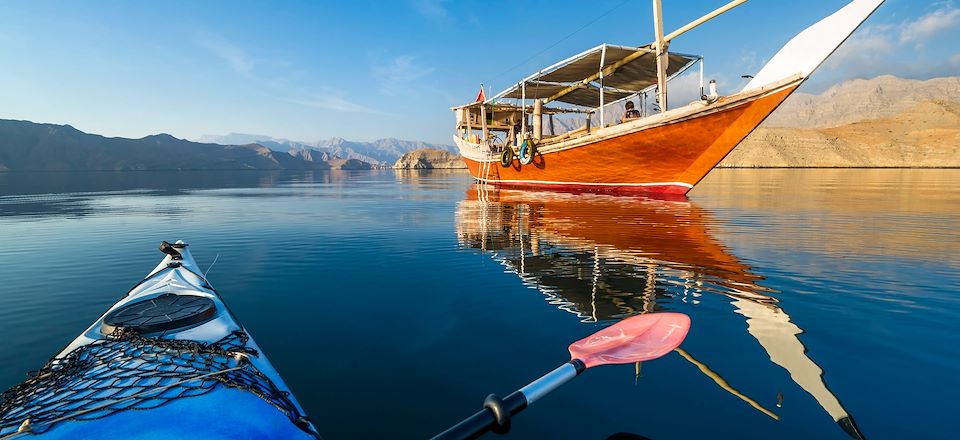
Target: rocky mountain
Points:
(428, 158)
(925, 135)
(881, 122)
(381, 152)
(28, 146)
(862, 99)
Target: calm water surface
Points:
(392, 303)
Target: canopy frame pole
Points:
(603, 56)
(662, 55)
(701, 78)
(469, 126)
(523, 112)
(608, 70)
(548, 69)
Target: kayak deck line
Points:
(27, 426)
(170, 339)
(130, 371)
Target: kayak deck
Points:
(170, 347)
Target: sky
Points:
(367, 70)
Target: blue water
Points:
(393, 303)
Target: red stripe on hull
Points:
(677, 190)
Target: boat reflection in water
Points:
(604, 257)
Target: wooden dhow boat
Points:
(511, 138)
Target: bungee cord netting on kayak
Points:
(128, 371)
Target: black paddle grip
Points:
(494, 416)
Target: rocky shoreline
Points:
(429, 158)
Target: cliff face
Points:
(925, 135)
(860, 100)
(428, 158)
(882, 122)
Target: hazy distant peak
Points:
(161, 137)
(237, 139)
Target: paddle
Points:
(635, 339)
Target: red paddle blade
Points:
(635, 339)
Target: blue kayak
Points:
(168, 360)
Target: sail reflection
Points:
(604, 257)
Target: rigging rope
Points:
(601, 16)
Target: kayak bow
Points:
(170, 348)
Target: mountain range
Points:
(880, 122)
(861, 99)
(29, 146)
(381, 152)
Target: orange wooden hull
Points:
(668, 159)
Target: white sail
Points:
(805, 52)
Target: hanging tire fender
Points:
(528, 150)
(506, 158)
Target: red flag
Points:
(480, 96)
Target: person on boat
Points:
(631, 113)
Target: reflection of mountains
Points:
(80, 193)
(603, 257)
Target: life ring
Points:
(528, 150)
(506, 158)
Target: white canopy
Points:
(622, 71)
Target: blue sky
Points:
(367, 70)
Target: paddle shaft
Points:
(496, 413)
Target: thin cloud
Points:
(433, 9)
(234, 56)
(895, 49)
(400, 73)
(329, 101)
(870, 48)
(282, 86)
(930, 25)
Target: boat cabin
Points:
(594, 84)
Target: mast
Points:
(661, 46)
(603, 56)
